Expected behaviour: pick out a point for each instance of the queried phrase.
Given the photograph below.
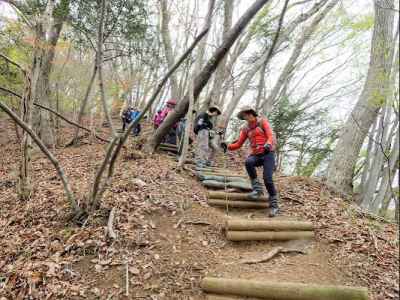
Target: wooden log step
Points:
(212, 169)
(166, 145)
(232, 184)
(237, 204)
(268, 225)
(222, 179)
(232, 235)
(233, 196)
(223, 174)
(281, 290)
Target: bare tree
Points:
(205, 74)
(166, 40)
(341, 167)
(298, 47)
(222, 71)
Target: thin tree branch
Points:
(50, 156)
(54, 112)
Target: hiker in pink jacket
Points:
(160, 116)
(163, 113)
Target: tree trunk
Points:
(166, 39)
(84, 104)
(188, 129)
(368, 158)
(387, 178)
(261, 85)
(99, 63)
(341, 168)
(222, 70)
(24, 187)
(382, 141)
(298, 47)
(202, 79)
(47, 32)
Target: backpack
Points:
(126, 115)
(247, 129)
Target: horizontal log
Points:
(267, 225)
(223, 174)
(222, 178)
(232, 196)
(168, 149)
(237, 204)
(166, 145)
(216, 297)
(232, 235)
(222, 185)
(281, 290)
(212, 169)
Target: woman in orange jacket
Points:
(262, 146)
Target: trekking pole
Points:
(222, 137)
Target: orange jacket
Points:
(259, 133)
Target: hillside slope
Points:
(168, 237)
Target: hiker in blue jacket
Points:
(134, 115)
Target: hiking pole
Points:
(221, 134)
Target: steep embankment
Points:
(168, 237)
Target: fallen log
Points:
(267, 225)
(232, 196)
(233, 235)
(221, 185)
(282, 291)
(238, 204)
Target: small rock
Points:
(139, 182)
(134, 271)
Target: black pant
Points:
(267, 161)
(137, 129)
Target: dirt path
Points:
(313, 267)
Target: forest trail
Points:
(311, 267)
(169, 239)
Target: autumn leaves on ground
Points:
(167, 236)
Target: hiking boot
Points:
(200, 164)
(273, 201)
(273, 212)
(209, 163)
(257, 190)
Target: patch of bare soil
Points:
(168, 237)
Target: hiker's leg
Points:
(250, 164)
(213, 146)
(123, 125)
(171, 136)
(202, 148)
(269, 166)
